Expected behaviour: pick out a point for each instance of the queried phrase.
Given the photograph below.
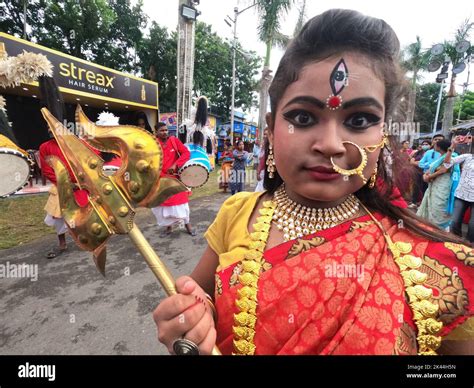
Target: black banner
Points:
(317, 371)
(80, 77)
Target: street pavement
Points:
(72, 310)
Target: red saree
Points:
(339, 291)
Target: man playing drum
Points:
(176, 208)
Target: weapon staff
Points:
(109, 209)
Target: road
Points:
(72, 309)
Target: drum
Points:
(195, 172)
(15, 167)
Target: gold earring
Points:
(270, 162)
(373, 177)
(355, 171)
(381, 145)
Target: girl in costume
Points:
(323, 262)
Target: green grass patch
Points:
(21, 220)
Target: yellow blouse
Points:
(228, 235)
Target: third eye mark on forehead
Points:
(360, 101)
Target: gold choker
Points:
(297, 221)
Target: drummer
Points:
(174, 209)
(51, 99)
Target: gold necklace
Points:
(297, 221)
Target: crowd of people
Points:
(438, 183)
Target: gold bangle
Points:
(213, 306)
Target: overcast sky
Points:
(434, 21)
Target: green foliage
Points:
(11, 15)
(270, 20)
(467, 109)
(426, 102)
(118, 48)
(157, 53)
(212, 69)
(75, 27)
(109, 32)
(104, 31)
(414, 59)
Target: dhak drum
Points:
(15, 167)
(195, 172)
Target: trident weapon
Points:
(109, 208)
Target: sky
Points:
(434, 21)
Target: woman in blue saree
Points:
(438, 202)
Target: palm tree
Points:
(269, 32)
(414, 59)
(455, 57)
(301, 17)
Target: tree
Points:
(213, 72)
(118, 48)
(104, 31)
(462, 33)
(269, 31)
(12, 16)
(212, 69)
(157, 55)
(414, 59)
(75, 27)
(426, 103)
(301, 17)
(467, 107)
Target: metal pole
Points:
(465, 86)
(439, 105)
(236, 13)
(158, 268)
(24, 18)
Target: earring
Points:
(270, 162)
(373, 177)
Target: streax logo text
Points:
(80, 74)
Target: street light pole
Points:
(236, 14)
(438, 106)
(24, 18)
(234, 49)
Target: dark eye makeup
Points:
(301, 118)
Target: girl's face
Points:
(305, 133)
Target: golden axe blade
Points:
(109, 209)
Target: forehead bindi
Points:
(323, 79)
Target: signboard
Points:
(238, 127)
(169, 119)
(82, 78)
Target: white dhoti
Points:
(170, 215)
(58, 223)
(53, 210)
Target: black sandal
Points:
(55, 252)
